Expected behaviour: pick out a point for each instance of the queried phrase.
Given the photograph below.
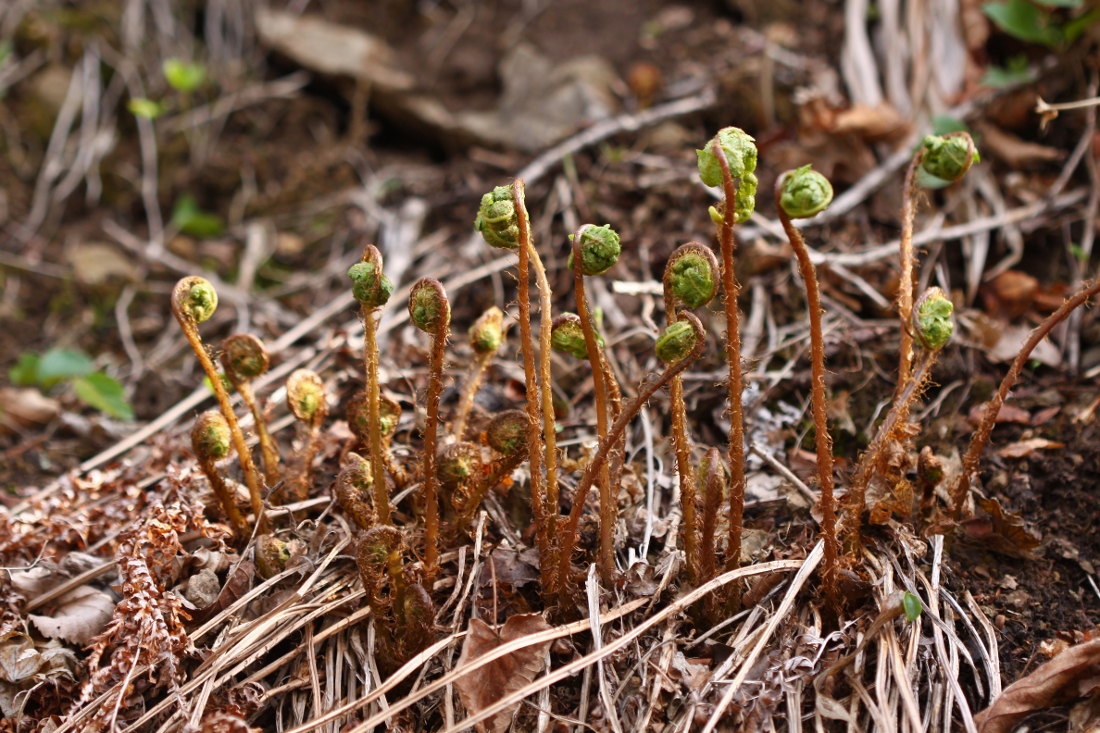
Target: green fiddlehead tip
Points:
(497, 220)
(196, 298)
(358, 416)
(805, 193)
(693, 274)
(369, 285)
(459, 464)
(429, 308)
(712, 472)
(305, 396)
(567, 336)
(932, 319)
(676, 342)
(210, 436)
(507, 432)
(244, 357)
(950, 156)
(739, 149)
(600, 249)
(487, 333)
(271, 556)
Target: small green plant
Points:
(503, 223)
(354, 489)
(802, 194)
(1041, 21)
(729, 161)
(401, 606)
(244, 359)
(486, 337)
(430, 311)
(944, 158)
(372, 289)
(691, 278)
(72, 367)
(507, 435)
(679, 349)
(211, 441)
(194, 301)
(189, 219)
(595, 250)
(305, 396)
(185, 77)
(145, 108)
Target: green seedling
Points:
(68, 366)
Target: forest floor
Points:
(270, 177)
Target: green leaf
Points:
(912, 606)
(57, 365)
(1015, 72)
(104, 394)
(943, 124)
(224, 380)
(1074, 28)
(182, 76)
(25, 372)
(190, 219)
(1021, 19)
(1060, 3)
(1079, 252)
(147, 108)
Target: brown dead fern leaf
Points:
(504, 676)
(147, 630)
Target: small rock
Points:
(202, 588)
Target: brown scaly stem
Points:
(690, 278)
(430, 311)
(682, 447)
(469, 392)
(210, 439)
(373, 289)
(946, 158)
(305, 396)
(822, 436)
(730, 289)
(905, 285)
(961, 489)
(608, 503)
(615, 405)
(645, 392)
(377, 466)
(714, 477)
(549, 419)
(501, 470)
(534, 408)
(193, 301)
(486, 336)
(244, 358)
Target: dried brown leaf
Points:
(80, 614)
(1024, 448)
(999, 531)
(1069, 676)
(505, 675)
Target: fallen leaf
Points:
(871, 123)
(1024, 448)
(19, 660)
(27, 407)
(80, 614)
(1007, 414)
(95, 263)
(1009, 295)
(1012, 339)
(1045, 415)
(1019, 154)
(999, 532)
(503, 676)
(1072, 674)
